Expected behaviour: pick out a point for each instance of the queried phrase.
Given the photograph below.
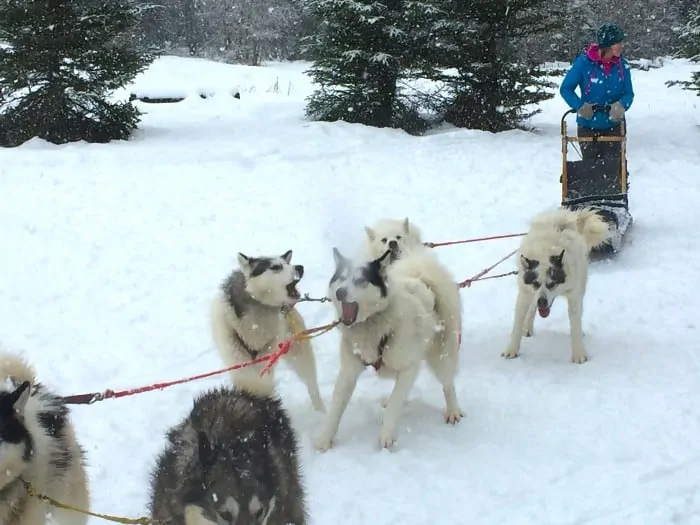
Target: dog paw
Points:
(510, 353)
(528, 332)
(579, 358)
(454, 416)
(322, 443)
(387, 438)
(383, 401)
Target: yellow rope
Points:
(59, 505)
(301, 335)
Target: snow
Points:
(111, 254)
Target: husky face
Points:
(230, 495)
(394, 235)
(358, 292)
(15, 441)
(545, 277)
(272, 280)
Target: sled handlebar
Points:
(596, 108)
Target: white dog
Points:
(553, 260)
(402, 237)
(388, 321)
(248, 321)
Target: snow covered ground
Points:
(111, 253)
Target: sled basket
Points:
(597, 184)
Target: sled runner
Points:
(598, 182)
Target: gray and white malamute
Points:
(553, 261)
(231, 461)
(37, 446)
(248, 320)
(389, 322)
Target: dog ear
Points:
(338, 257)
(371, 235)
(205, 450)
(287, 256)
(243, 261)
(406, 225)
(557, 260)
(529, 264)
(20, 397)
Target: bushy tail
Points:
(15, 367)
(585, 221)
(592, 227)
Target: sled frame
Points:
(566, 140)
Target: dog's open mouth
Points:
(543, 311)
(348, 312)
(292, 291)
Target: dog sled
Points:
(598, 182)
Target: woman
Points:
(605, 83)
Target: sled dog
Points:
(231, 461)
(252, 312)
(402, 237)
(553, 261)
(388, 321)
(38, 447)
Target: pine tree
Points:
(690, 48)
(359, 54)
(492, 86)
(62, 62)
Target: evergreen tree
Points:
(690, 48)
(359, 54)
(491, 86)
(62, 62)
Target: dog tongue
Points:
(544, 312)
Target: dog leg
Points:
(302, 360)
(522, 304)
(36, 513)
(444, 367)
(530, 321)
(350, 369)
(75, 494)
(578, 352)
(402, 387)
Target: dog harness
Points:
(383, 342)
(251, 352)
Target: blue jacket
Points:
(599, 84)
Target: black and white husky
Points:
(38, 447)
(553, 261)
(231, 461)
(389, 322)
(252, 312)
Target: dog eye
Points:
(384, 239)
(536, 284)
(398, 237)
(276, 267)
(550, 286)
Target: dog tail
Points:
(16, 367)
(592, 227)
